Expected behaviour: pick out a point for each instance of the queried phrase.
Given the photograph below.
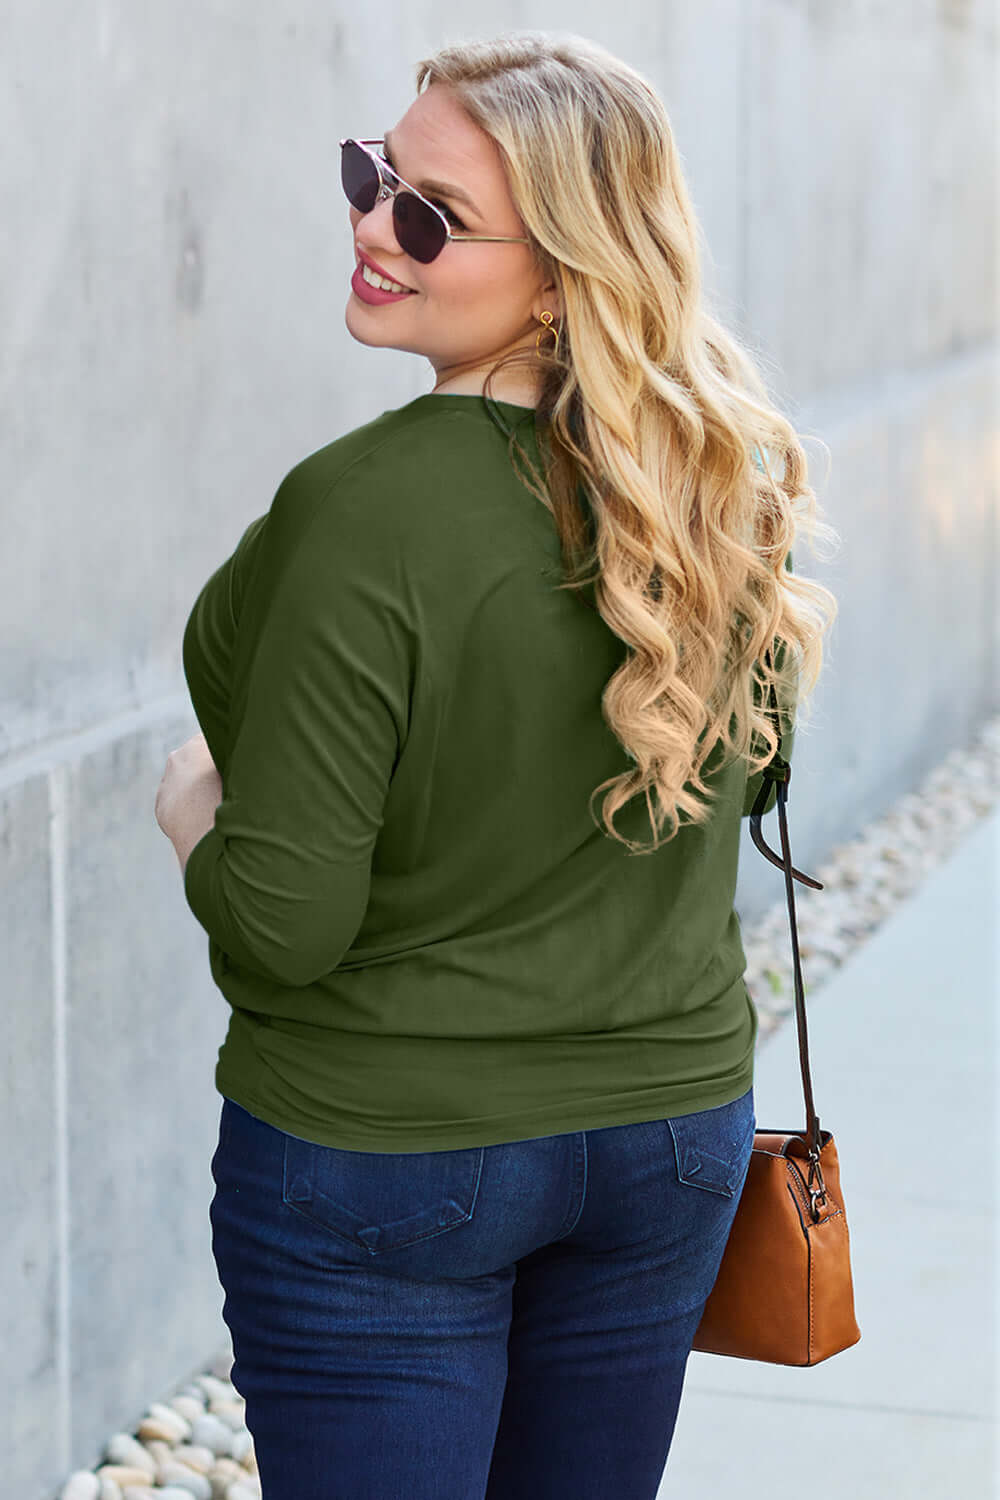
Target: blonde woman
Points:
(481, 699)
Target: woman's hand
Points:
(189, 792)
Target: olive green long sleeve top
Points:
(425, 936)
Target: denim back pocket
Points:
(712, 1147)
(381, 1201)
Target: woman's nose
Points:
(385, 227)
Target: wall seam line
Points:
(57, 888)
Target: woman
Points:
(487, 1083)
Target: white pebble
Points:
(233, 1413)
(209, 1432)
(176, 1475)
(226, 1468)
(165, 1410)
(242, 1491)
(124, 1449)
(160, 1452)
(224, 1472)
(242, 1444)
(110, 1489)
(162, 1422)
(194, 1456)
(222, 1390)
(187, 1407)
(83, 1485)
(123, 1474)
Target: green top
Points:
(426, 940)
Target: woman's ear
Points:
(549, 299)
(549, 302)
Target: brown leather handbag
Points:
(784, 1293)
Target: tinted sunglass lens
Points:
(418, 229)
(359, 177)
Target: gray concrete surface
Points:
(904, 1060)
(175, 255)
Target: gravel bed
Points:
(864, 880)
(196, 1446)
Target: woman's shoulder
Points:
(388, 470)
(391, 443)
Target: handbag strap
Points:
(779, 771)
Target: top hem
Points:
(599, 1114)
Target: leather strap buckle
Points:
(816, 1195)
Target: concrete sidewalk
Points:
(904, 1061)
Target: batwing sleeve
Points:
(281, 880)
(210, 638)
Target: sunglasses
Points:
(421, 229)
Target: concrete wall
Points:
(175, 255)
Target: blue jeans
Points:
(489, 1323)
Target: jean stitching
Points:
(350, 1238)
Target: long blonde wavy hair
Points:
(662, 439)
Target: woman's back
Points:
(427, 939)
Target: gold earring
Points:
(546, 318)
